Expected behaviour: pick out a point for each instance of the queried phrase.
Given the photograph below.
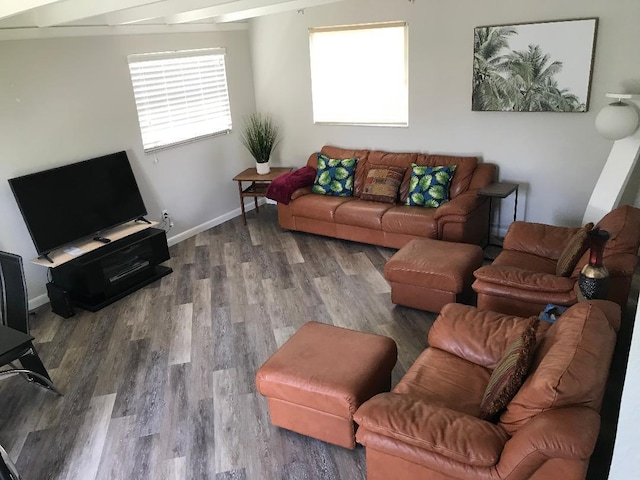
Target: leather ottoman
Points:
(427, 274)
(317, 380)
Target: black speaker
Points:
(60, 301)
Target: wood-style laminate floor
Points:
(160, 385)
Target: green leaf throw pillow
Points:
(334, 176)
(510, 373)
(429, 186)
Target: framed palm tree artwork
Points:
(534, 67)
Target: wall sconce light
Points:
(618, 119)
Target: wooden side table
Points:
(259, 185)
(498, 190)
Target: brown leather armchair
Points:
(428, 425)
(522, 279)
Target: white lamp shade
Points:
(617, 120)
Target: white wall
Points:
(70, 99)
(625, 463)
(556, 157)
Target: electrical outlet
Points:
(165, 214)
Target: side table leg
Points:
(244, 215)
(255, 199)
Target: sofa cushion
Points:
(382, 183)
(510, 372)
(429, 186)
(317, 207)
(465, 168)
(441, 378)
(334, 176)
(525, 261)
(362, 213)
(413, 221)
(567, 368)
(572, 252)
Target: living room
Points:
(70, 98)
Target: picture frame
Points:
(534, 67)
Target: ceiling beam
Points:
(237, 6)
(58, 32)
(285, 6)
(72, 10)
(203, 13)
(162, 9)
(9, 8)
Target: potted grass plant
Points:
(260, 135)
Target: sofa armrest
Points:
(437, 429)
(459, 207)
(301, 192)
(482, 176)
(478, 336)
(547, 241)
(568, 433)
(519, 278)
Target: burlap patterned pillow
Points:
(510, 373)
(572, 252)
(382, 183)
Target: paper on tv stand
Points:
(75, 251)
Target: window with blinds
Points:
(180, 96)
(359, 74)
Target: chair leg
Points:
(35, 369)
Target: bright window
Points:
(180, 96)
(359, 74)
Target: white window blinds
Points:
(359, 74)
(180, 96)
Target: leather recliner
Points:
(522, 279)
(428, 426)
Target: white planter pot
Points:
(263, 168)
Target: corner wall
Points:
(69, 99)
(556, 157)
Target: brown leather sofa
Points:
(522, 280)
(428, 425)
(463, 219)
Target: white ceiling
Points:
(54, 18)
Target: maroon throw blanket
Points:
(283, 187)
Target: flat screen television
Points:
(65, 204)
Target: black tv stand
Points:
(142, 219)
(102, 239)
(116, 269)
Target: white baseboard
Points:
(42, 299)
(38, 301)
(212, 223)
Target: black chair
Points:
(15, 341)
(7, 468)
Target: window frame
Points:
(365, 26)
(193, 107)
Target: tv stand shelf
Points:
(87, 245)
(112, 271)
